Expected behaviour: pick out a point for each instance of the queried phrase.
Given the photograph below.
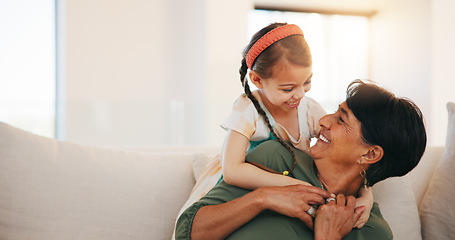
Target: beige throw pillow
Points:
(398, 207)
(437, 209)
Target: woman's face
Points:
(340, 139)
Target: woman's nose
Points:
(326, 121)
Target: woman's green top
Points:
(269, 224)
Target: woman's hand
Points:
(336, 219)
(293, 201)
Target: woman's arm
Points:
(218, 221)
(239, 173)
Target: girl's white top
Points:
(245, 119)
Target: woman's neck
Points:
(347, 181)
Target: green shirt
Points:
(269, 224)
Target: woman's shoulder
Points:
(274, 155)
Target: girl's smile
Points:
(293, 104)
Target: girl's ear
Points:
(255, 79)
(373, 155)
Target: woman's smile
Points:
(323, 138)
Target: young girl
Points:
(278, 62)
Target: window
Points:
(27, 65)
(339, 47)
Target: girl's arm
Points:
(365, 199)
(239, 173)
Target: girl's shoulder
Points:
(308, 101)
(243, 100)
(308, 104)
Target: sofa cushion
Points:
(398, 205)
(437, 209)
(60, 190)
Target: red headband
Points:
(268, 39)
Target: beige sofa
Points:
(57, 190)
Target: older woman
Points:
(373, 135)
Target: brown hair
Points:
(293, 49)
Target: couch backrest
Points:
(57, 190)
(421, 175)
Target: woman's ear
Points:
(373, 155)
(255, 79)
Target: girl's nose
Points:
(300, 93)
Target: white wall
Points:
(151, 72)
(226, 37)
(166, 71)
(442, 74)
(401, 50)
(412, 52)
(129, 73)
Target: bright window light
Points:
(27, 65)
(339, 45)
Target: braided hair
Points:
(293, 49)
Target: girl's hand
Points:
(365, 199)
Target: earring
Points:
(363, 174)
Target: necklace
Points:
(321, 181)
(323, 185)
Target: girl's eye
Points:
(288, 90)
(307, 82)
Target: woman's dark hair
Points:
(395, 124)
(293, 49)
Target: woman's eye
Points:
(340, 120)
(307, 82)
(288, 90)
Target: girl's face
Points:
(286, 87)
